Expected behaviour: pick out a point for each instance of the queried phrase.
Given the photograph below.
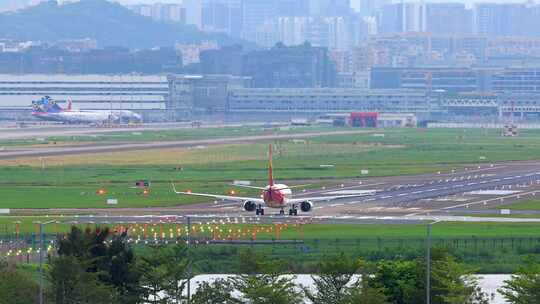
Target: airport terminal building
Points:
(147, 95)
(161, 98)
(327, 100)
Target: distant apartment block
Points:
(191, 52)
(165, 12)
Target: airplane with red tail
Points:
(276, 196)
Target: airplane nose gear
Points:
(293, 211)
(259, 210)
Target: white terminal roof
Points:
(86, 91)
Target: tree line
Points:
(98, 267)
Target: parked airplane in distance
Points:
(277, 196)
(48, 109)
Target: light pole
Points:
(41, 249)
(189, 257)
(428, 262)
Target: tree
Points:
(16, 287)
(250, 262)
(268, 289)
(270, 286)
(177, 263)
(362, 293)
(403, 282)
(154, 276)
(71, 283)
(121, 270)
(453, 283)
(113, 262)
(524, 286)
(164, 273)
(218, 292)
(339, 281)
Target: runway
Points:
(471, 194)
(48, 130)
(119, 147)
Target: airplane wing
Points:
(328, 198)
(248, 187)
(221, 197)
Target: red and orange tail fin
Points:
(270, 170)
(70, 104)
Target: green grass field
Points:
(522, 205)
(72, 181)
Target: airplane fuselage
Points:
(75, 117)
(276, 196)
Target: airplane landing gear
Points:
(259, 210)
(281, 212)
(293, 211)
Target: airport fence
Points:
(493, 254)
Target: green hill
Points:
(111, 24)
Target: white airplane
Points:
(47, 109)
(277, 196)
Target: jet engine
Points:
(250, 206)
(306, 206)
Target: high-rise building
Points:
(225, 61)
(256, 16)
(507, 19)
(390, 18)
(222, 16)
(370, 7)
(161, 12)
(300, 66)
(448, 18)
(293, 8)
(330, 8)
(292, 30)
(413, 17)
(193, 12)
(436, 18)
(336, 33)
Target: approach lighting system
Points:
(101, 191)
(232, 192)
